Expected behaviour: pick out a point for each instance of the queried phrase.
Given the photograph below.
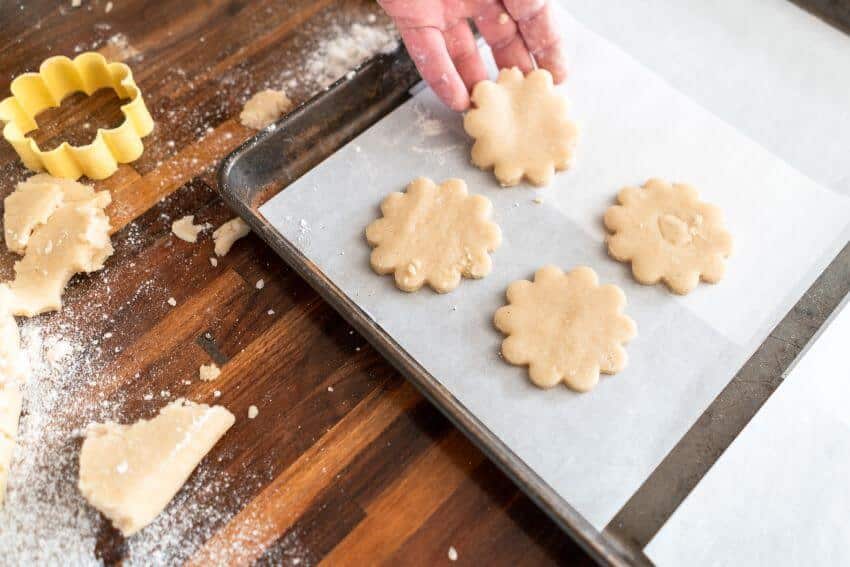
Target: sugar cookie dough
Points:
(565, 327)
(73, 238)
(131, 472)
(209, 372)
(433, 234)
(228, 233)
(668, 234)
(264, 108)
(14, 370)
(185, 228)
(521, 128)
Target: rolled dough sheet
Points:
(593, 449)
(779, 494)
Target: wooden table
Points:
(346, 463)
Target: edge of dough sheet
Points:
(57, 78)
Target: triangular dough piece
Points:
(131, 472)
(28, 207)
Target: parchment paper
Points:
(594, 449)
(779, 494)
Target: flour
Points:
(347, 49)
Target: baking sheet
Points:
(595, 449)
(777, 510)
(766, 66)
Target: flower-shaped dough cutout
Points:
(521, 128)
(433, 234)
(565, 327)
(669, 235)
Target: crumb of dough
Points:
(209, 372)
(172, 302)
(264, 108)
(452, 553)
(214, 262)
(261, 283)
(253, 412)
(72, 238)
(131, 472)
(228, 233)
(186, 229)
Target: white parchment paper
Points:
(594, 449)
(779, 494)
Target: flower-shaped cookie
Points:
(565, 327)
(433, 234)
(668, 234)
(520, 127)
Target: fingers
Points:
(428, 49)
(501, 33)
(463, 51)
(540, 33)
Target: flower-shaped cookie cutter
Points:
(57, 78)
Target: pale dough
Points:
(264, 108)
(521, 128)
(131, 472)
(28, 207)
(13, 374)
(209, 372)
(228, 233)
(185, 228)
(668, 234)
(73, 238)
(565, 327)
(433, 234)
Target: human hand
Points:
(438, 37)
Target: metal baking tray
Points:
(274, 158)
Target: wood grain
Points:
(346, 463)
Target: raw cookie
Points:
(520, 127)
(565, 327)
(185, 228)
(668, 234)
(13, 373)
(131, 472)
(433, 234)
(74, 238)
(264, 108)
(228, 233)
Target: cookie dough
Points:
(29, 206)
(565, 327)
(668, 234)
(208, 372)
(13, 374)
(228, 233)
(73, 238)
(521, 128)
(433, 234)
(264, 108)
(186, 229)
(131, 472)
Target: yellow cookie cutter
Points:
(58, 77)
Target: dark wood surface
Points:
(346, 463)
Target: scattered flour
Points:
(347, 49)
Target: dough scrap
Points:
(565, 327)
(131, 472)
(185, 228)
(433, 234)
(228, 233)
(14, 371)
(74, 238)
(209, 372)
(263, 108)
(28, 207)
(668, 234)
(521, 127)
